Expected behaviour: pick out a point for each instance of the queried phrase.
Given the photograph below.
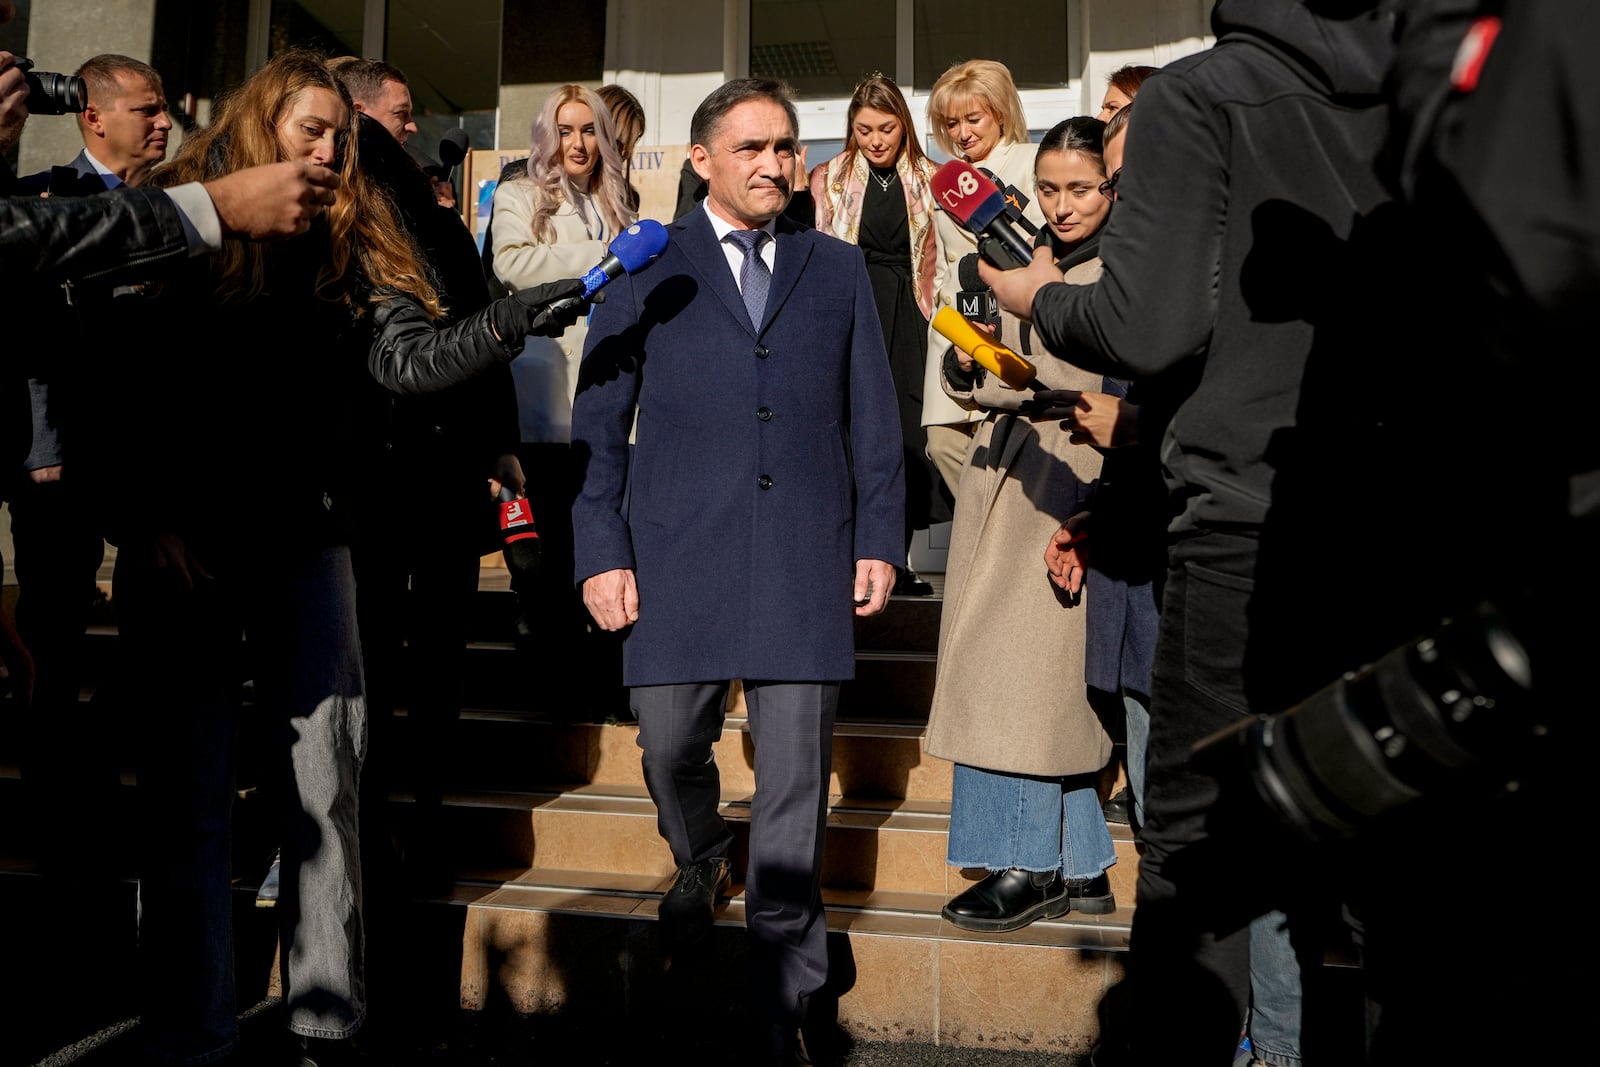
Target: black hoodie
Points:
(1232, 256)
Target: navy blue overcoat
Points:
(766, 462)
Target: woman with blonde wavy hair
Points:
(877, 194)
(556, 222)
(229, 486)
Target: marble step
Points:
(574, 942)
(494, 750)
(872, 844)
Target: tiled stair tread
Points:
(622, 799)
(895, 914)
(891, 730)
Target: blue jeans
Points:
(183, 652)
(1274, 992)
(999, 821)
(1137, 717)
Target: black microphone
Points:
(976, 302)
(978, 206)
(452, 150)
(1015, 201)
(453, 147)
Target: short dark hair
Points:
(365, 77)
(1080, 134)
(724, 98)
(100, 74)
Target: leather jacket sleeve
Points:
(411, 354)
(85, 238)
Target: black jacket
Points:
(246, 427)
(1249, 178)
(454, 435)
(43, 243)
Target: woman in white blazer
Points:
(556, 222)
(975, 114)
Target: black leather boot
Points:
(1009, 900)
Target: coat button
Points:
(764, 413)
(765, 481)
(762, 351)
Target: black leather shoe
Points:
(1092, 896)
(687, 908)
(1009, 900)
(786, 1047)
(1116, 808)
(328, 1052)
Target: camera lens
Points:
(55, 94)
(1449, 709)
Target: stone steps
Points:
(559, 868)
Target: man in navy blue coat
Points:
(760, 507)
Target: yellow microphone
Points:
(989, 354)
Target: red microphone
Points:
(520, 535)
(979, 206)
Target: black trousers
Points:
(791, 726)
(1211, 863)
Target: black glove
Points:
(544, 310)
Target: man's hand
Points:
(1066, 556)
(874, 582)
(612, 597)
(444, 193)
(1015, 288)
(13, 102)
(1099, 419)
(508, 473)
(42, 475)
(276, 200)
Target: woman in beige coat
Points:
(974, 114)
(1010, 706)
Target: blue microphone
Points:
(630, 251)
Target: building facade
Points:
(486, 65)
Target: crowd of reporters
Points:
(1150, 322)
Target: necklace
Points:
(883, 183)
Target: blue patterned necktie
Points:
(754, 277)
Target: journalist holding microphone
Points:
(230, 516)
(1020, 728)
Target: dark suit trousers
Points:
(791, 727)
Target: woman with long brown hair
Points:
(877, 194)
(231, 484)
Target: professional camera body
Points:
(1449, 711)
(53, 94)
